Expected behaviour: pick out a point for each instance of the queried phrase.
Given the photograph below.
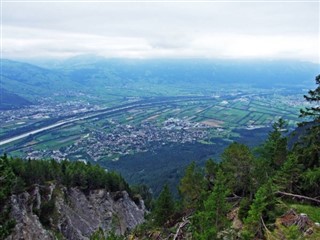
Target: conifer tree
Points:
(213, 218)
(164, 207)
(308, 149)
(191, 186)
(211, 169)
(311, 182)
(313, 97)
(7, 179)
(287, 178)
(262, 206)
(275, 147)
(237, 164)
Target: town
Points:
(124, 139)
(110, 135)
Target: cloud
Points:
(35, 43)
(255, 46)
(151, 30)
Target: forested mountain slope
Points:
(50, 200)
(96, 74)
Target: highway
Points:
(125, 107)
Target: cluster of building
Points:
(115, 140)
(43, 111)
(122, 139)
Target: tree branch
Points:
(181, 225)
(300, 197)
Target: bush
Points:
(46, 210)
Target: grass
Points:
(312, 211)
(292, 232)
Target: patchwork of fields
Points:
(151, 142)
(110, 136)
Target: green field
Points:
(223, 117)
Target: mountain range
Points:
(25, 83)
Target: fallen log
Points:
(234, 198)
(300, 197)
(185, 221)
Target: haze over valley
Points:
(131, 115)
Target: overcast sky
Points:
(277, 30)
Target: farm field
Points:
(144, 134)
(218, 117)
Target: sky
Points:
(130, 29)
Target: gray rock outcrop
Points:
(73, 215)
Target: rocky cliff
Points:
(48, 212)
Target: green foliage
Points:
(211, 169)
(237, 164)
(308, 149)
(71, 174)
(203, 228)
(311, 181)
(7, 179)
(260, 210)
(313, 97)
(262, 172)
(164, 207)
(287, 179)
(46, 210)
(275, 147)
(144, 192)
(6, 226)
(76, 174)
(244, 208)
(313, 212)
(287, 170)
(292, 233)
(191, 186)
(113, 236)
(101, 235)
(140, 230)
(213, 218)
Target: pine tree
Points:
(237, 164)
(213, 218)
(191, 186)
(287, 178)
(164, 207)
(7, 179)
(262, 206)
(311, 182)
(308, 149)
(211, 169)
(275, 147)
(313, 97)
